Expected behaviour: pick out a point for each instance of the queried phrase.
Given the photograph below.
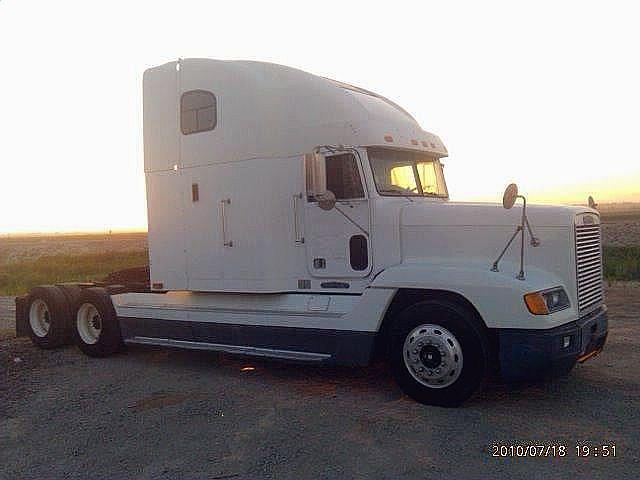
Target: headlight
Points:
(547, 301)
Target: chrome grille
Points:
(589, 266)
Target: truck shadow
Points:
(375, 381)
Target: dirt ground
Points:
(157, 413)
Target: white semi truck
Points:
(298, 217)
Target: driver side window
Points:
(343, 177)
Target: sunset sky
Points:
(544, 93)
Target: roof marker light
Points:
(414, 141)
(388, 138)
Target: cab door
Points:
(337, 241)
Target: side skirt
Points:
(291, 343)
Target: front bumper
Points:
(534, 354)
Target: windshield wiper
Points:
(397, 193)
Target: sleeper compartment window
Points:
(198, 111)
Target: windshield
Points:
(404, 173)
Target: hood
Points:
(487, 214)
(475, 234)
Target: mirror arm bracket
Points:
(351, 220)
(520, 229)
(494, 268)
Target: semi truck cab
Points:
(298, 217)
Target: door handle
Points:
(223, 203)
(296, 226)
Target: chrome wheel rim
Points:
(89, 323)
(39, 318)
(433, 356)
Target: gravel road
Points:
(153, 413)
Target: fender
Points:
(497, 296)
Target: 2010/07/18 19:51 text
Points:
(581, 450)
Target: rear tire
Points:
(439, 353)
(48, 313)
(96, 329)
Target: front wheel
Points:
(439, 353)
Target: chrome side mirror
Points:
(315, 168)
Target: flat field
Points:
(621, 226)
(621, 233)
(26, 261)
(38, 260)
(15, 247)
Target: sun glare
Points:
(72, 152)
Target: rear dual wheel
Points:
(96, 329)
(48, 316)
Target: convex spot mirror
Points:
(510, 196)
(326, 200)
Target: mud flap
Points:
(22, 322)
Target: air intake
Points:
(589, 266)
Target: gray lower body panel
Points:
(301, 344)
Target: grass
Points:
(622, 263)
(18, 277)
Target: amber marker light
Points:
(536, 304)
(247, 369)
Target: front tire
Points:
(439, 353)
(96, 328)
